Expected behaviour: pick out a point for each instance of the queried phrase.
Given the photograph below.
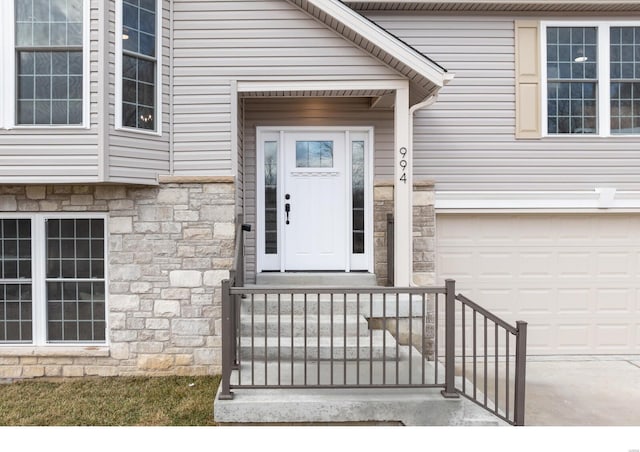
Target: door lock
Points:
(287, 209)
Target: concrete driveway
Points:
(589, 391)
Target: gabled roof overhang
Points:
(498, 6)
(426, 77)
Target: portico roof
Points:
(425, 75)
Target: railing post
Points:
(521, 373)
(228, 339)
(450, 341)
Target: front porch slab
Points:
(410, 407)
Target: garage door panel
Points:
(612, 336)
(613, 301)
(574, 301)
(573, 338)
(574, 264)
(574, 278)
(615, 264)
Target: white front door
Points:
(314, 199)
(315, 204)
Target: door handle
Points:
(287, 209)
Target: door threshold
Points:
(317, 278)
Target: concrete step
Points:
(327, 279)
(374, 305)
(409, 368)
(314, 304)
(376, 346)
(299, 325)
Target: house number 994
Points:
(403, 164)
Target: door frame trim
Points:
(279, 132)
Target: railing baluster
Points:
(423, 333)
(358, 339)
(253, 335)
(410, 338)
(384, 339)
(464, 349)
(331, 338)
(266, 330)
(475, 356)
(506, 336)
(435, 338)
(279, 350)
(292, 336)
(318, 338)
(371, 340)
(305, 339)
(496, 367)
(397, 336)
(486, 363)
(344, 357)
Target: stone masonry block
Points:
(8, 204)
(110, 192)
(197, 234)
(175, 294)
(155, 213)
(223, 214)
(120, 351)
(173, 196)
(205, 356)
(213, 278)
(224, 230)
(155, 362)
(124, 302)
(191, 327)
(120, 225)
(36, 192)
(185, 278)
(166, 308)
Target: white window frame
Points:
(118, 68)
(604, 79)
(8, 76)
(39, 279)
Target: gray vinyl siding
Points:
(306, 112)
(466, 140)
(218, 41)
(55, 155)
(135, 157)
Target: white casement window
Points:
(52, 279)
(45, 59)
(139, 81)
(591, 78)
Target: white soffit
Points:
(584, 6)
(426, 76)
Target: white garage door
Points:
(574, 278)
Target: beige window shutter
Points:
(528, 96)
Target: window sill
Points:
(152, 133)
(74, 351)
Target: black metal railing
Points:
(491, 360)
(390, 249)
(370, 337)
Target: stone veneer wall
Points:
(169, 248)
(423, 231)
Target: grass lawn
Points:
(117, 401)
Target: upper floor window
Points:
(49, 62)
(592, 78)
(138, 68)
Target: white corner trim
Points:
(382, 39)
(602, 198)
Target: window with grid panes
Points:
(49, 62)
(593, 79)
(70, 307)
(139, 61)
